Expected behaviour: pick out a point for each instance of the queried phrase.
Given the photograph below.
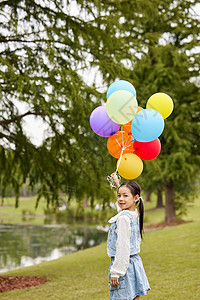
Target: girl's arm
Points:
(115, 179)
(121, 261)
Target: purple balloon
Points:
(101, 124)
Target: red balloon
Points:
(148, 150)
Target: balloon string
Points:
(124, 146)
(126, 143)
(110, 180)
(119, 159)
(121, 146)
(118, 142)
(121, 151)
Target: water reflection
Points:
(26, 245)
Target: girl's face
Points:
(126, 200)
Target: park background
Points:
(57, 60)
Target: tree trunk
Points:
(68, 200)
(92, 202)
(85, 204)
(159, 199)
(170, 213)
(148, 196)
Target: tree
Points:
(44, 52)
(170, 64)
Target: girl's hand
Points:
(114, 281)
(115, 179)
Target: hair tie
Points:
(138, 202)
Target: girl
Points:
(127, 278)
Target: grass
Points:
(25, 213)
(170, 257)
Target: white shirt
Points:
(123, 231)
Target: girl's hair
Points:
(135, 189)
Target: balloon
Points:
(101, 124)
(117, 142)
(130, 166)
(120, 85)
(147, 151)
(127, 127)
(147, 125)
(161, 102)
(121, 107)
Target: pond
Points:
(26, 245)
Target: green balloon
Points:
(121, 106)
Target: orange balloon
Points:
(127, 127)
(119, 141)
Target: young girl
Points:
(127, 278)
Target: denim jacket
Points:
(135, 238)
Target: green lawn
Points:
(170, 257)
(25, 213)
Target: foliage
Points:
(47, 54)
(44, 49)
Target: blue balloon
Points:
(147, 125)
(121, 85)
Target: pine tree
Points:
(170, 64)
(45, 50)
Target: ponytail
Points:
(141, 212)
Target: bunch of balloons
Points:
(131, 130)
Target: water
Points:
(26, 245)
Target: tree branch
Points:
(6, 122)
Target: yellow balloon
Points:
(161, 102)
(130, 166)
